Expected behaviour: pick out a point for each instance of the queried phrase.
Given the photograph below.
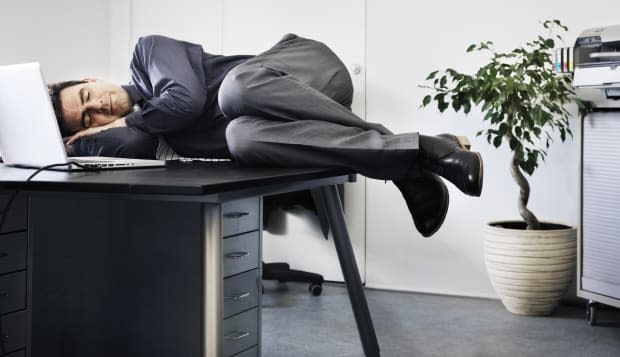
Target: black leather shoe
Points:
(427, 199)
(444, 155)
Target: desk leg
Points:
(350, 271)
(213, 283)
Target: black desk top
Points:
(184, 179)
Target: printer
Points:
(597, 66)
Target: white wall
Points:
(406, 41)
(198, 21)
(68, 37)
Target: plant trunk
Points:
(524, 195)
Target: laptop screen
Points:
(29, 133)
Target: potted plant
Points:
(530, 263)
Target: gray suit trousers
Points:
(291, 108)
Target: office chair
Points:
(313, 200)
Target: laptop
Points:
(29, 133)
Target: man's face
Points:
(94, 103)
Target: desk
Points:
(154, 262)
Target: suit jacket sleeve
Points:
(129, 142)
(170, 75)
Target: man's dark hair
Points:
(54, 91)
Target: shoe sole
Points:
(445, 199)
(480, 174)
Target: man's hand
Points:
(118, 123)
(68, 148)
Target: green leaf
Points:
(518, 131)
(487, 105)
(549, 43)
(471, 48)
(513, 144)
(456, 105)
(466, 107)
(497, 142)
(427, 99)
(443, 81)
(503, 129)
(441, 102)
(431, 75)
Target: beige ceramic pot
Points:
(530, 269)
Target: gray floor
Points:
(298, 324)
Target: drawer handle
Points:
(235, 255)
(236, 214)
(237, 297)
(3, 294)
(239, 335)
(4, 254)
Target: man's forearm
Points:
(126, 142)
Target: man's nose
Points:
(95, 105)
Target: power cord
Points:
(5, 213)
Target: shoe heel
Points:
(464, 142)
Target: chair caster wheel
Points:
(315, 289)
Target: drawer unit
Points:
(240, 216)
(14, 331)
(242, 281)
(241, 292)
(12, 292)
(13, 252)
(240, 332)
(16, 217)
(252, 352)
(241, 253)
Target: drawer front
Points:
(241, 292)
(252, 352)
(16, 218)
(240, 332)
(13, 252)
(240, 216)
(240, 253)
(12, 292)
(22, 353)
(14, 330)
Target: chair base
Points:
(283, 273)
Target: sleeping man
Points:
(286, 107)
